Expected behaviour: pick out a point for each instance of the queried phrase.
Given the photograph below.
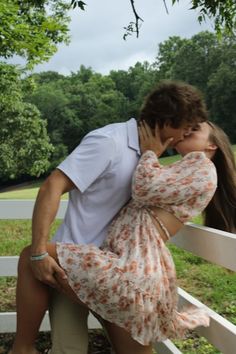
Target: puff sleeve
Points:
(188, 179)
(147, 172)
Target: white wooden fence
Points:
(213, 245)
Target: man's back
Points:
(101, 168)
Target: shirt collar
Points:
(133, 138)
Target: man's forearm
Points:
(45, 210)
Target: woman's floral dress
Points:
(131, 279)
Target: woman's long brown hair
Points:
(221, 211)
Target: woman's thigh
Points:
(122, 342)
(64, 286)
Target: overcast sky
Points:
(96, 34)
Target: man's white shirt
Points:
(101, 168)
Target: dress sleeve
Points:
(147, 172)
(190, 178)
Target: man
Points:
(98, 175)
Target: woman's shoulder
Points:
(199, 164)
(197, 158)
(195, 162)
(195, 155)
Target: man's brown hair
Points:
(174, 103)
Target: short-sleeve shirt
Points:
(101, 168)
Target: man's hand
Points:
(152, 141)
(49, 272)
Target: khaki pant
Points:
(69, 326)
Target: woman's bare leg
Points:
(32, 300)
(122, 342)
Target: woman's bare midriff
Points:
(171, 223)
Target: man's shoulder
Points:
(115, 131)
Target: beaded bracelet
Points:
(38, 257)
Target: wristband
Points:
(38, 257)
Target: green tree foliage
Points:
(221, 98)
(167, 53)
(223, 13)
(134, 84)
(85, 100)
(74, 105)
(208, 63)
(197, 58)
(32, 29)
(24, 144)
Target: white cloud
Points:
(96, 34)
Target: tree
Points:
(24, 144)
(167, 53)
(223, 12)
(134, 84)
(221, 89)
(209, 64)
(76, 104)
(197, 58)
(32, 29)
(221, 99)
(92, 104)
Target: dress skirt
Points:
(131, 280)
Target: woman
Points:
(130, 282)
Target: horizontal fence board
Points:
(221, 333)
(166, 347)
(8, 266)
(8, 322)
(210, 244)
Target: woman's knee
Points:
(25, 254)
(123, 343)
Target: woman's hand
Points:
(152, 141)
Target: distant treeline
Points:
(44, 116)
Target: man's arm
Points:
(45, 210)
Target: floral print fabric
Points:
(131, 279)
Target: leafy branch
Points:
(223, 12)
(133, 27)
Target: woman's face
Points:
(198, 140)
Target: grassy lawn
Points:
(211, 284)
(26, 192)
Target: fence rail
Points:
(212, 245)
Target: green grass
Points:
(29, 192)
(26, 192)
